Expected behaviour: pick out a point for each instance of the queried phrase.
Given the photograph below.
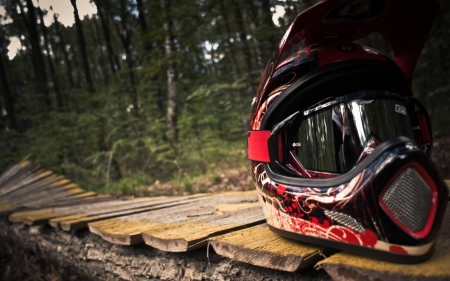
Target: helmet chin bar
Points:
(399, 190)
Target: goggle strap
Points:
(257, 146)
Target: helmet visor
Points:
(334, 139)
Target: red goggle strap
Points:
(258, 146)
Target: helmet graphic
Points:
(338, 145)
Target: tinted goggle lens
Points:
(336, 138)
(333, 140)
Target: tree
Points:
(6, 92)
(170, 72)
(82, 44)
(56, 87)
(36, 53)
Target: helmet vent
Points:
(345, 220)
(408, 200)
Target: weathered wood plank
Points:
(81, 221)
(184, 227)
(38, 184)
(27, 173)
(33, 216)
(50, 193)
(5, 207)
(13, 170)
(77, 216)
(259, 246)
(82, 199)
(186, 236)
(344, 266)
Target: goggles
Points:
(331, 138)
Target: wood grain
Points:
(260, 246)
(184, 226)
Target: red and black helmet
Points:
(338, 144)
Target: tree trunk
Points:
(56, 87)
(109, 48)
(125, 36)
(236, 69)
(270, 40)
(64, 51)
(95, 32)
(141, 16)
(243, 38)
(36, 54)
(170, 72)
(6, 92)
(255, 27)
(82, 43)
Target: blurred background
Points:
(151, 97)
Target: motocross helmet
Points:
(338, 145)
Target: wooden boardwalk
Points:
(231, 223)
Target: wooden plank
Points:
(65, 203)
(186, 236)
(43, 193)
(13, 170)
(25, 174)
(139, 219)
(76, 217)
(69, 223)
(344, 266)
(37, 216)
(184, 227)
(5, 207)
(260, 246)
(28, 187)
(9, 173)
(75, 222)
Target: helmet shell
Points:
(353, 211)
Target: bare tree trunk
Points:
(82, 43)
(236, 69)
(144, 28)
(109, 48)
(171, 83)
(255, 26)
(95, 32)
(141, 16)
(243, 38)
(38, 61)
(125, 37)
(64, 51)
(267, 24)
(56, 87)
(6, 92)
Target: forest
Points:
(150, 91)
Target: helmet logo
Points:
(346, 48)
(400, 109)
(356, 10)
